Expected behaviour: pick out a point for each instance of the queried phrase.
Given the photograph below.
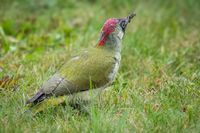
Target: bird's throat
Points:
(110, 42)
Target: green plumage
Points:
(90, 67)
(93, 65)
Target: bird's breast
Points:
(115, 69)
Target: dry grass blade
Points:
(8, 82)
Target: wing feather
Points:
(90, 66)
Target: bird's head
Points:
(113, 31)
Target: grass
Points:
(157, 88)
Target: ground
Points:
(157, 88)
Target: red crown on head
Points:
(108, 27)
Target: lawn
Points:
(157, 88)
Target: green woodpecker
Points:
(97, 66)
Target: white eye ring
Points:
(123, 24)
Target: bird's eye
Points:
(123, 24)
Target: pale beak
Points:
(130, 17)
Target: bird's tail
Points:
(38, 97)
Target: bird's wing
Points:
(92, 66)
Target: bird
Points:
(96, 66)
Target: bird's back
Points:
(91, 67)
